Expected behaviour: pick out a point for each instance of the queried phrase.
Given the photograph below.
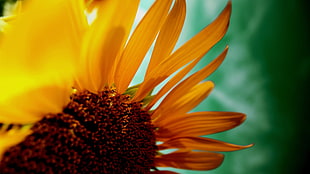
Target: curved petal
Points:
(199, 143)
(139, 43)
(193, 49)
(198, 123)
(190, 81)
(104, 40)
(190, 160)
(168, 35)
(37, 55)
(178, 102)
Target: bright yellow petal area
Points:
(168, 35)
(5, 23)
(14, 9)
(198, 123)
(10, 138)
(190, 160)
(92, 4)
(139, 43)
(199, 143)
(30, 104)
(37, 60)
(106, 37)
(190, 81)
(193, 49)
(180, 101)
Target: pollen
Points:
(96, 133)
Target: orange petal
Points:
(103, 42)
(190, 160)
(169, 85)
(198, 123)
(192, 80)
(168, 34)
(139, 43)
(180, 102)
(193, 49)
(199, 143)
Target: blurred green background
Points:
(265, 75)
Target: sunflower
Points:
(66, 105)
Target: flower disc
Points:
(96, 133)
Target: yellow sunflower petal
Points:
(168, 35)
(193, 49)
(15, 9)
(10, 138)
(43, 37)
(92, 4)
(139, 43)
(198, 123)
(4, 23)
(37, 55)
(107, 35)
(190, 160)
(180, 102)
(32, 104)
(190, 81)
(79, 19)
(199, 143)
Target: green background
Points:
(265, 75)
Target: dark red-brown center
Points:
(96, 133)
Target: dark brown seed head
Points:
(96, 133)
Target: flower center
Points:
(96, 133)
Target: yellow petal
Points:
(34, 102)
(11, 138)
(107, 35)
(200, 143)
(180, 101)
(92, 4)
(139, 43)
(192, 80)
(190, 160)
(193, 49)
(37, 55)
(79, 18)
(17, 7)
(168, 35)
(43, 37)
(198, 123)
(4, 23)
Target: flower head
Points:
(69, 80)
